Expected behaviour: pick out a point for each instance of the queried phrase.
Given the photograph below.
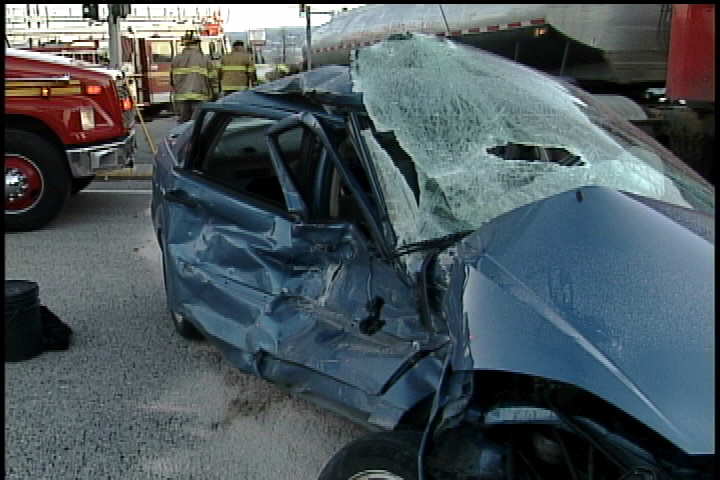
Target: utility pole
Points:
(308, 42)
(114, 40)
(305, 9)
(116, 11)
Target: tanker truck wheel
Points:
(37, 182)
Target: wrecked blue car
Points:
(482, 264)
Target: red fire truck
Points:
(145, 61)
(87, 51)
(64, 121)
(147, 50)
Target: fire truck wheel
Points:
(37, 182)
(79, 184)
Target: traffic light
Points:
(302, 9)
(91, 10)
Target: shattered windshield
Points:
(459, 136)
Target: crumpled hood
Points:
(602, 290)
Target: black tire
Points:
(392, 454)
(182, 325)
(79, 184)
(40, 177)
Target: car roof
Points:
(324, 90)
(329, 85)
(332, 79)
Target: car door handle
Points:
(179, 196)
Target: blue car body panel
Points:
(585, 288)
(284, 298)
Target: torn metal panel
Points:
(344, 398)
(297, 291)
(330, 293)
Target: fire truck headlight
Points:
(87, 118)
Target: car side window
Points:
(341, 203)
(239, 158)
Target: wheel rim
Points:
(23, 183)
(375, 475)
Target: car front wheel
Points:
(184, 327)
(378, 456)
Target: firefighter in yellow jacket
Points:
(193, 79)
(237, 69)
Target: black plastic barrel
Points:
(23, 327)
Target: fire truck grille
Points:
(123, 93)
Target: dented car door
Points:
(228, 234)
(257, 268)
(344, 313)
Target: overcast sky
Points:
(240, 17)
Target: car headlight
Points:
(87, 118)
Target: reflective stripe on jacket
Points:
(279, 71)
(193, 75)
(237, 71)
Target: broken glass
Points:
(487, 136)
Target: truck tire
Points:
(37, 181)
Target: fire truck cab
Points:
(65, 120)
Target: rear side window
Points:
(240, 158)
